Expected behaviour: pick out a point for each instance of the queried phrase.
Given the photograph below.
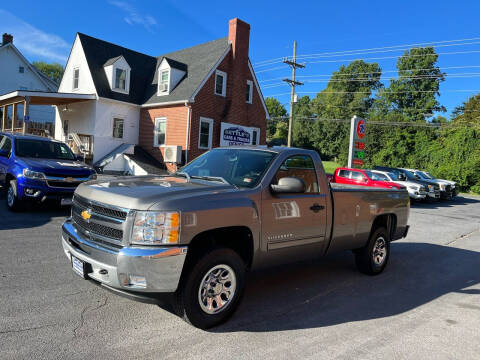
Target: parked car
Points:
(433, 190)
(196, 233)
(415, 190)
(448, 189)
(363, 177)
(34, 168)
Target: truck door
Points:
(293, 220)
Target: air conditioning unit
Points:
(172, 154)
(164, 87)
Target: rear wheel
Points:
(13, 203)
(373, 258)
(212, 288)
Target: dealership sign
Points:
(356, 151)
(233, 134)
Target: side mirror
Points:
(365, 180)
(4, 153)
(289, 185)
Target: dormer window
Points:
(164, 80)
(121, 79)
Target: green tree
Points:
(468, 112)
(53, 71)
(276, 111)
(303, 123)
(414, 92)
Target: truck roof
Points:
(277, 149)
(27, 136)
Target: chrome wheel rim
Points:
(379, 251)
(217, 289)
(10, 197)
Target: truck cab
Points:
(34, 168)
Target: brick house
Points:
(196, 98)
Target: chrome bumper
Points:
(161, 266)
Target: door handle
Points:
(316, 207)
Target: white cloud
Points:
(33, 42)
(134, 17)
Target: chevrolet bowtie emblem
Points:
(86, 215)
(69, 179)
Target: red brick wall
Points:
(176, 128)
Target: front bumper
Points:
(41, 191)
(433, 195)
(415, 195)
(160, 266)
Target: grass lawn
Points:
(330, 166)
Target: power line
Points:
(344, 52)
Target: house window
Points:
(163, 83)
(255, 136)
(21, 69)
(118, 128)
(249, 92)
(205, 133)
(121, 79)
(220, 83)
(160, 132)
(76, 78)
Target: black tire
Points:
(369, 259)
(187, 298)
(13, 203)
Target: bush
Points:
(475, 188)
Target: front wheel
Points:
(372, 259)
(13, 202)
(212, 288)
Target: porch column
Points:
(4, 117)
(26, 105)
(14, 116)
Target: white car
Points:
(425, 175)
(415, 190)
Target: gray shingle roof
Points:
(196, 61)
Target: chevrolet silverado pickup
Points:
(197, 232)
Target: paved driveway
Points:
(425, 305)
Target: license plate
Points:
(78, 266)
(66, 201)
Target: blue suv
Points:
(37, 168)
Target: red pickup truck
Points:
(362, 177)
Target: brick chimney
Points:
(7, 39)
(239, 36)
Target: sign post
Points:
(356, 150)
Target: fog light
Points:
(32, 192)
(137, 281)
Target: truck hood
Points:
(142, 192)
(55, 167)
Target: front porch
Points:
(15, 117)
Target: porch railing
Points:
(81, 144)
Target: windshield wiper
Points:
(184, 173)
(215, 178)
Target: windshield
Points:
(374, 176)
(427, 175)
(43, 149)
(408, 174)
(238, 167)
(393, 176)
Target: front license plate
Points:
(78, 266)
(66, 201)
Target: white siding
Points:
(105, 111)
(80, 116)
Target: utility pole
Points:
(292, 83)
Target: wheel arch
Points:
(388, 221)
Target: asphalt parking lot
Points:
(425, 305)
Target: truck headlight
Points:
(29, 174)
(411, 187)
(431, 188)
(442, 187)
(156, 228)
(93, 176)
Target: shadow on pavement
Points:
(432, 204)
(330, 291)
(33, 215)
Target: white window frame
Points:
(161, 82)
(224, 83)
(257, 131)
(250, 92)
(78, 79)
(155, 127)
(113, 127)
(210, 132)
(115, 80)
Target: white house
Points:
(16, 73)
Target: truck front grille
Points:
(63, 184)
(105, 224)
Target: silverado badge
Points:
(69, 179)
(86, 215)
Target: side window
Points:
(220, 83)
(6, 143)
(357, 176)
(344, 173)
(205, 133)
(302, 167)
(118, 128)
(76, 78)
(159, 131)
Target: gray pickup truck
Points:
(196, 233)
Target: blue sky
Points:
(44, 30)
